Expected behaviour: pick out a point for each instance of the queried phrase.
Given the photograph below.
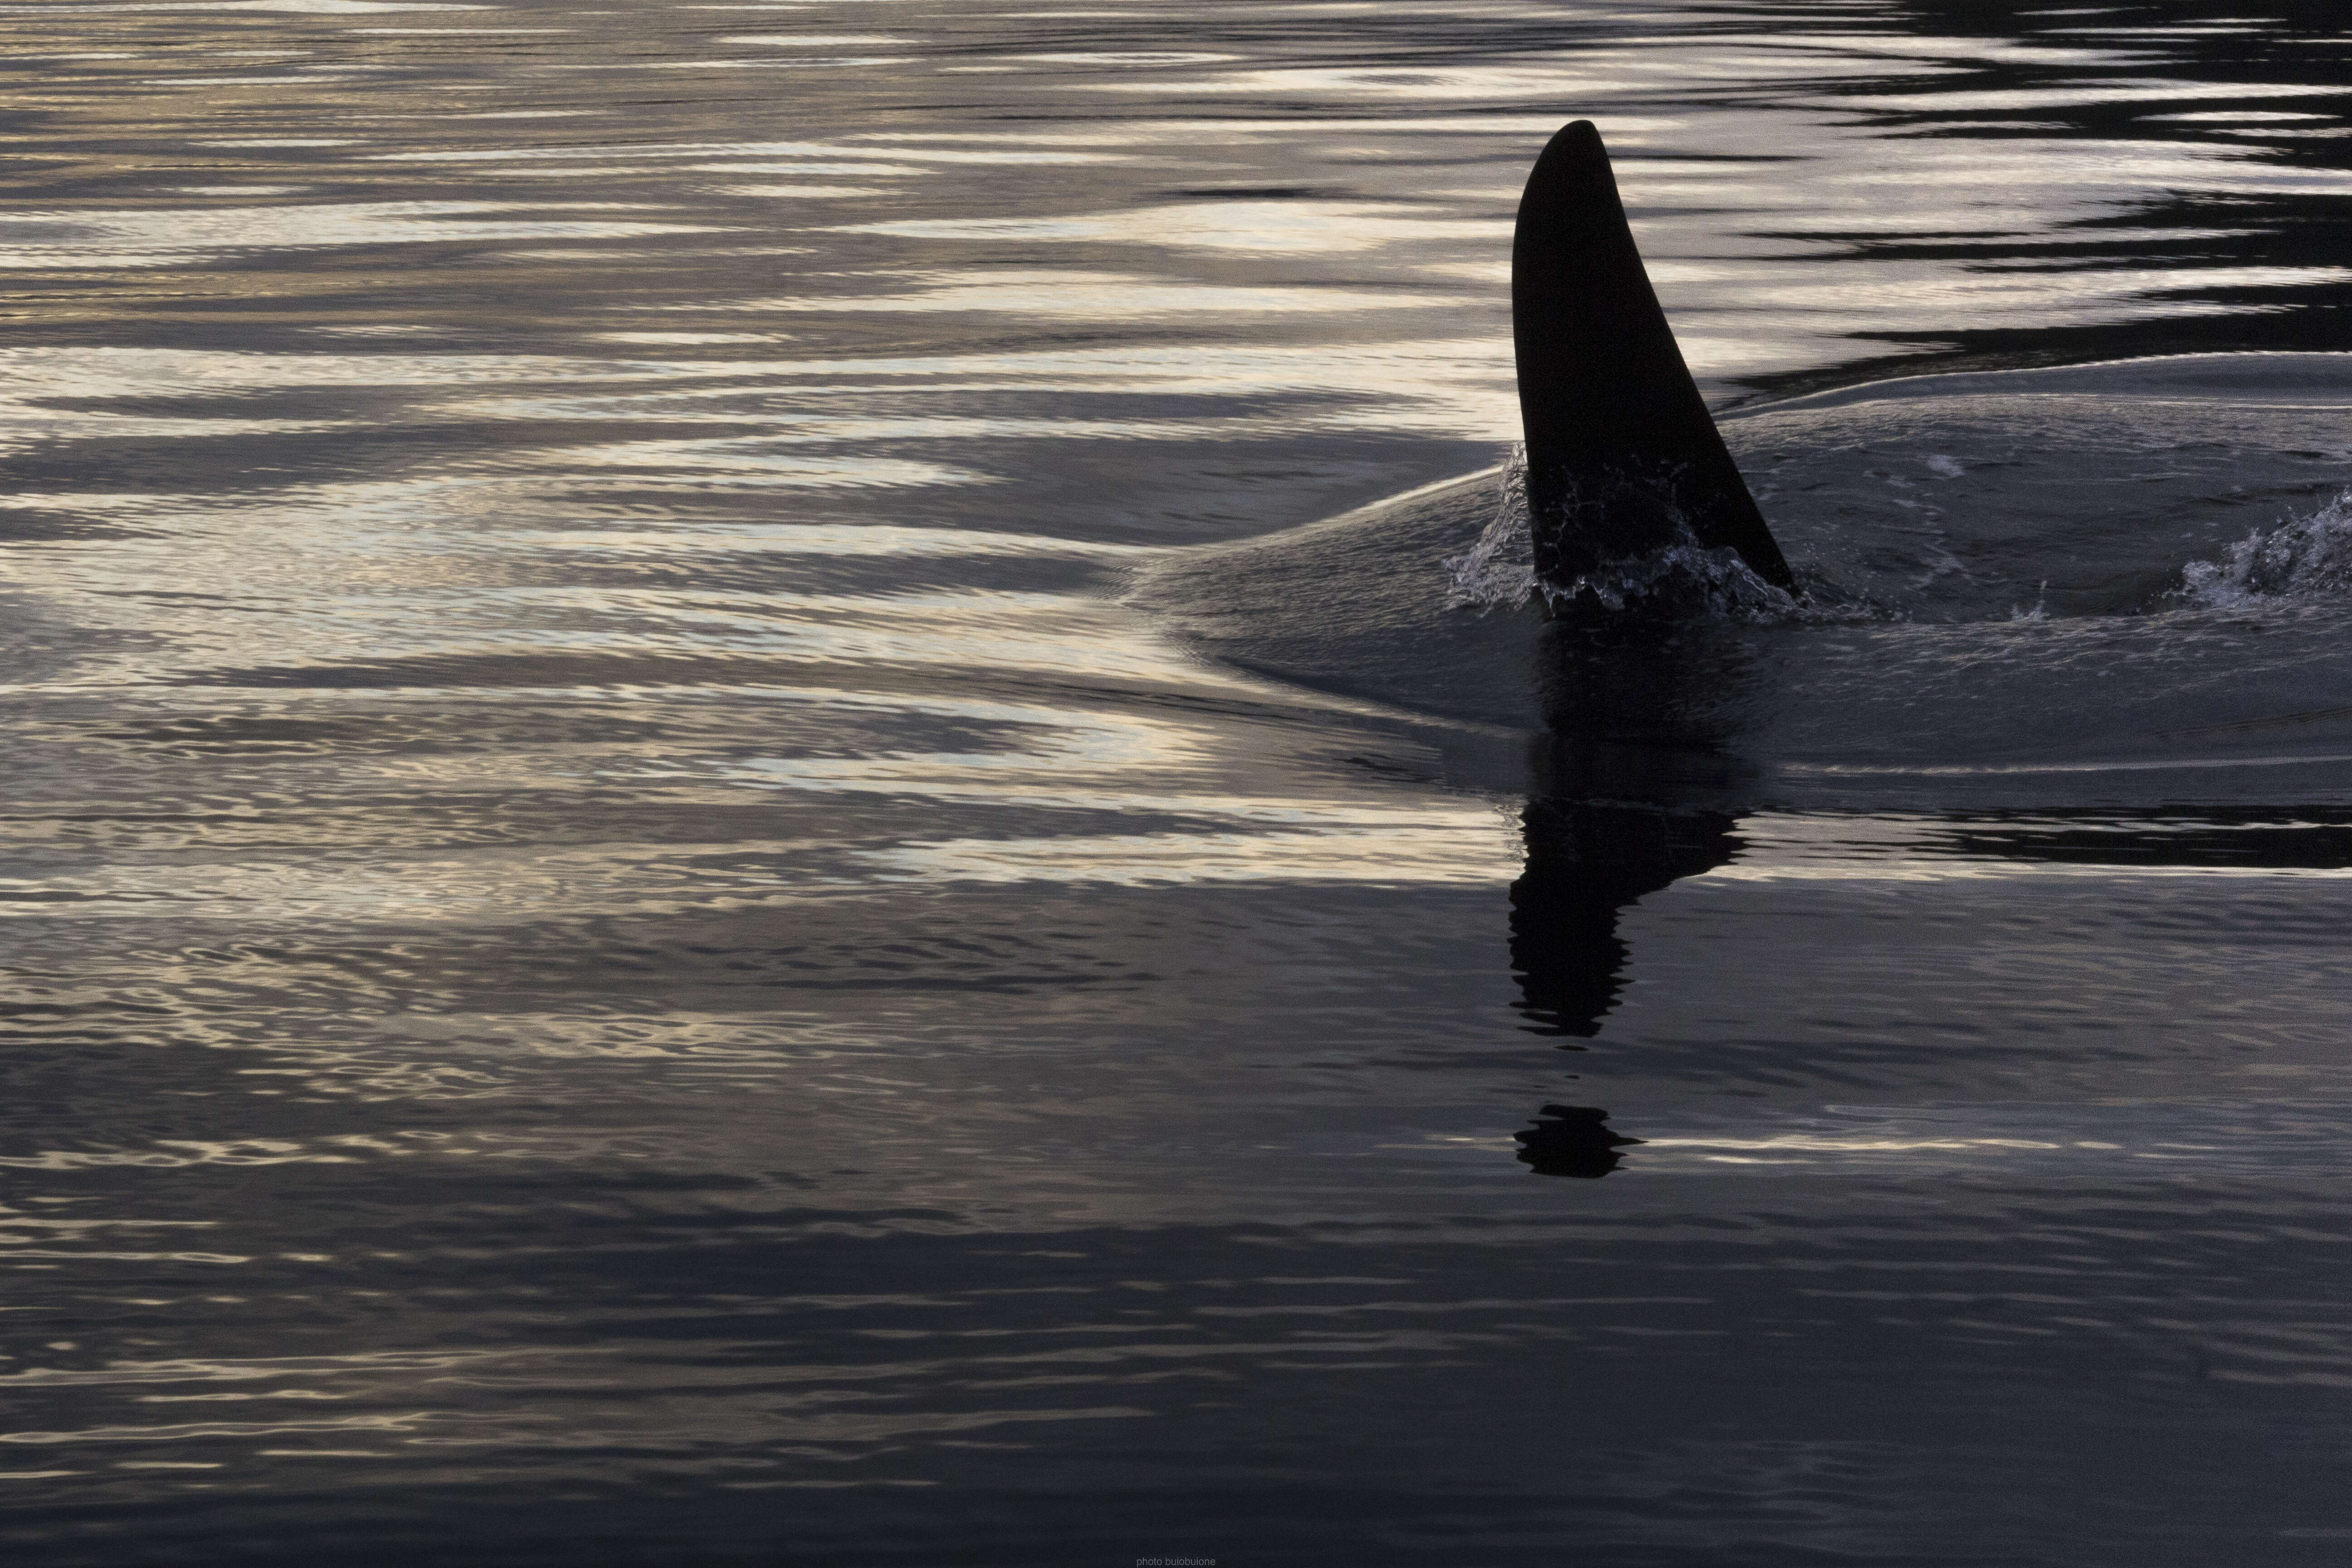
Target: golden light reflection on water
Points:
(575, 738)
(1479, 852)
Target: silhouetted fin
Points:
(1587, 861)
(1572, 1140)
(1621, 453)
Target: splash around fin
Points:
(1623, 458)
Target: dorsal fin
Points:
(1620, 450)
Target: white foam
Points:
(1499, 570)
(2307, 558)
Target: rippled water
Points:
(702, 869)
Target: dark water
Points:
(697, 873)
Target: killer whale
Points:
(2009, 576)
(1623, 458)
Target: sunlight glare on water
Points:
(694, 877)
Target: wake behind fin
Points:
(1622, 455)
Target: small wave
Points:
(1716, 582)
(1499, 570)
(2302, 559)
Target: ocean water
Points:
(780, 786)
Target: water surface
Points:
(700, 871)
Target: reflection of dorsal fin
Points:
(1620, 450)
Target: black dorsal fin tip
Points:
(1622, 452)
